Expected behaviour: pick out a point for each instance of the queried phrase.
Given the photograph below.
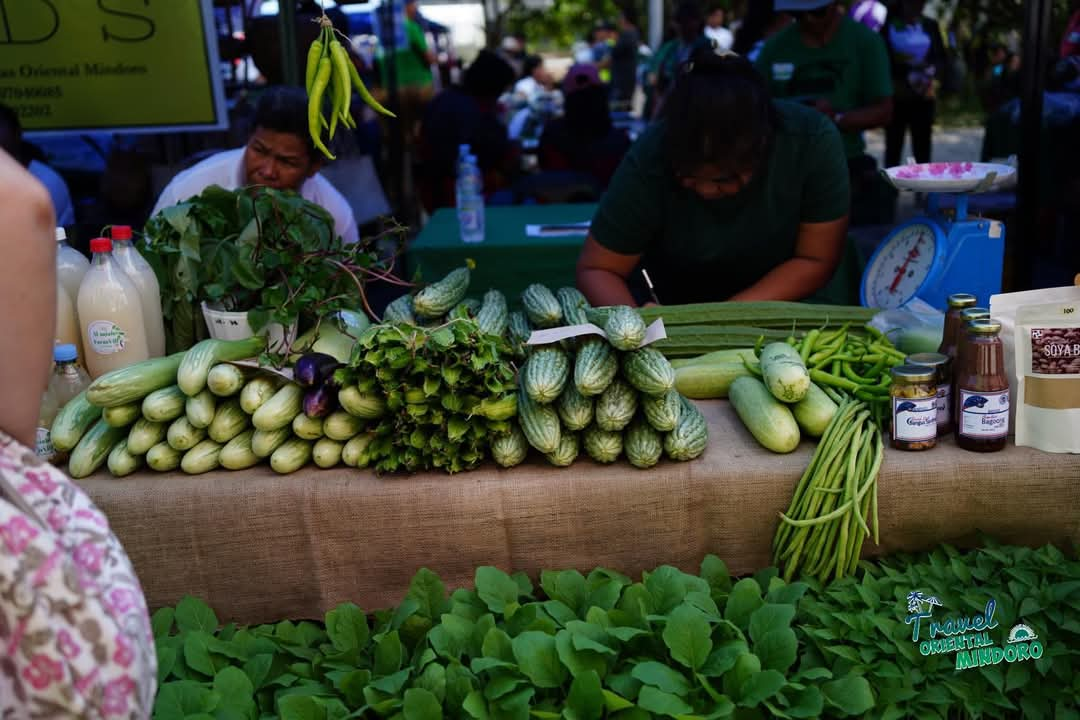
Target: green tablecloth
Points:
(508, 259)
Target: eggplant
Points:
(312, 369)
(321, 401)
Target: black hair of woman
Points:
(529, 66)
(719, 115)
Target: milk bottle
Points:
(142, 275)
(110, 314)
(67, 322)
(71, 265)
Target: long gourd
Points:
(765, 314)
(684, 341)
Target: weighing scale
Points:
(937, 254)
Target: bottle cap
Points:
(100, 245)
(930, 359)
(961, 300)
(984, 326)
(121, 232)
(974, 313)
(61, 234)
(913, 373)
(65, 352)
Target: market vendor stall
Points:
(260, 547)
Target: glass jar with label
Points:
(942, 365)
(982, 423)
(966, 316)
(914, 407)
(958, 302)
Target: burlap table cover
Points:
(259, 547)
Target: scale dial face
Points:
(901, 266)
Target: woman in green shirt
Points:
(731, 196)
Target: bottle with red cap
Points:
(140, 272)
(110, 314)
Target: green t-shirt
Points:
(698, 250)
(409, 64)
(851, 71)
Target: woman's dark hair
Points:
(530, 64)
(488, 76)
(588, 113)
(719, 113)
(759, 15)
(283, 108)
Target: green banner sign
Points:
(111, 65)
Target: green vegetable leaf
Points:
(162, 621)
(614, 702)
(586, 698)
(495, 587)
(687, 636)
(197, 654)
(193, 614)
(388, 654)
(177, 700)
(476, 706)
(850, 694)
(391, 684)
(723, 657)
(300, 707)
(744, 599)
(538, 658)
(347, 627)
(761, 686)
(778, 649)
(236, 691)
(578, 661)
(451, 637)
(497, 645)
(806, 702)
(661, 676)
(715, 572)
(667, 587)
(662, 703)
(567, 587)
(420, 704)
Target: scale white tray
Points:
(951, 177)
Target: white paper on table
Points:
(558, 229)
(655, 332)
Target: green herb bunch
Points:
(448, 390)
(269, 252)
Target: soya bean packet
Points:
(1047, 342)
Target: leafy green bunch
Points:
(268, 252)
(447, 389)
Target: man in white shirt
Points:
(11, 142)
(279, 154)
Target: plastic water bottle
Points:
(470, 201)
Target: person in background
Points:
(602, 43)
(11, 140)
(730, 196)
(512, 50)
(1070, 40)
(584, 139)
(412, 66)
(722, 38)
(1001, 80)
(761, 22)
(468, 114)
(279, 154)
(690, 36)
(828, 61)
(871, 13)
(624, 59)
(917, 56)
(535, 79)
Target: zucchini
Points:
(624, 328)
(734, 355)
(595, 367)
(121, 416)
(493, 316)
(292, 455)
(162, 458)
(573, 305)
(257, 391)
(307, 428)
(279, 411)
(134, 382)
(540, 423)
(237, 453)
(768, 420)
(510, 449)
(709, 380)
(72, 422)
(265, 442)
(603, 446)
(662, 412)
(575, 410)
(784, 372)
(200, 409)
(327, 452)
(541, 306)
(367, 406)
(648, 371)
(341, 426)
(229, 421)
(814, 412)
(164, 405)
(354, 453)
(94, 448)
(437, 299)
(145, 434)
(643, 445)
(121, 462)
(182, 435)
(690, 436)
(566, 451)
(545, 374)
(616, 406)
(225, 379)
(196, 364)
(202, 458)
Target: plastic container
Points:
(67, 320)
(142, 275)
(230, 325)
(43, 446)
(470, 201)
(71, 266)
(68, 378)
(110, 314)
